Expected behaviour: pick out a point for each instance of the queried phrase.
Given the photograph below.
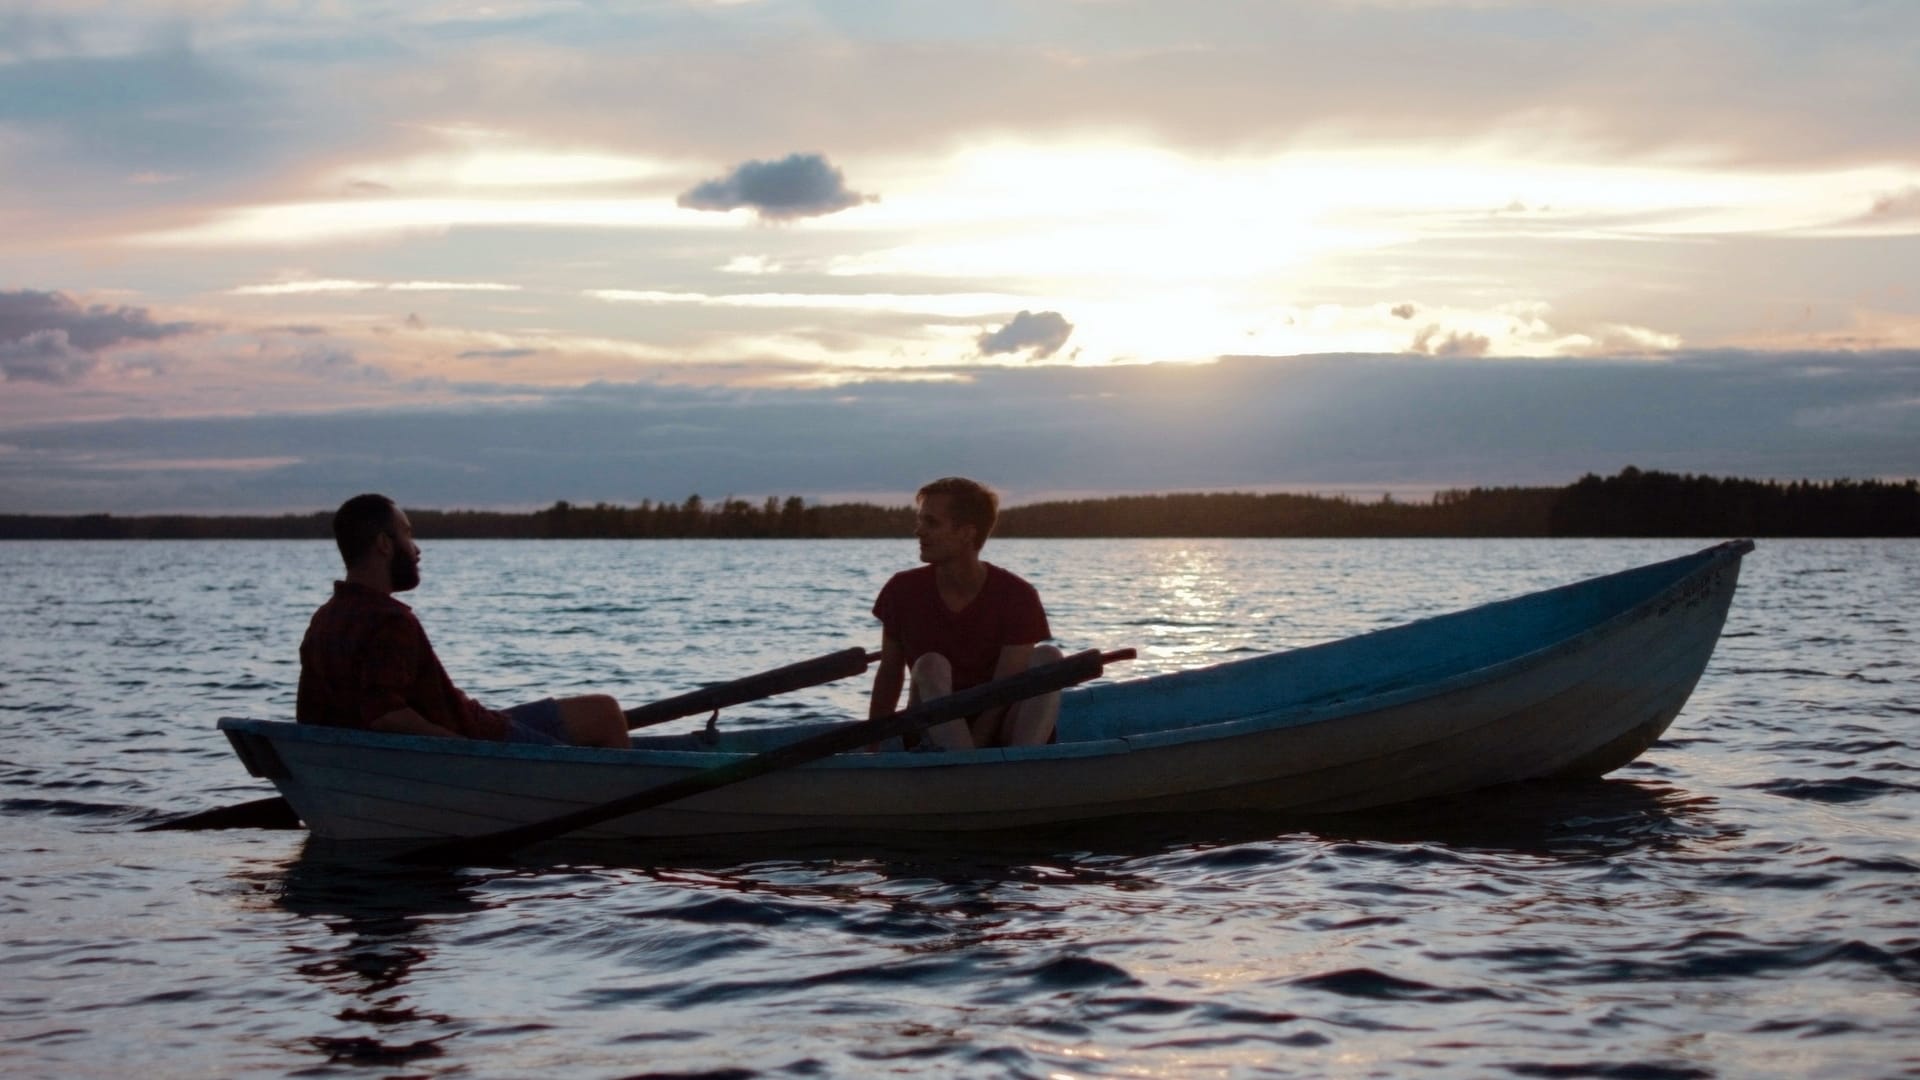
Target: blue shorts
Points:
(536, 722)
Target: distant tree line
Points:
(695, 518)
(1632, 503)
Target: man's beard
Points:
(404, 571)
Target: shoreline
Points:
(1630, 504)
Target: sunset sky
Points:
(261, 256)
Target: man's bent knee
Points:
(595, 720)
(1032, 722)
(932, 680)
(932, 676)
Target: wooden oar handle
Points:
(820, 669)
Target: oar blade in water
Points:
(270, 813)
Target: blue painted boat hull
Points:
(1569, 682)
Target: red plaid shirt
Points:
(366, 655)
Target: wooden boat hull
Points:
(1570, 682)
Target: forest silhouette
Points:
(1631, 503)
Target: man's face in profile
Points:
(404, 566)
(941, 538)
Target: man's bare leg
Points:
(1030, 722)
(932, 679)
(594, 720)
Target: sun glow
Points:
(1149, 253)
(498, 168)
(359, 219)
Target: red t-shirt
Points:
(366, 655)
(1007, 612)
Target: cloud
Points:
(797, 186)
(335, 362)
(1179, 72)
(350, 285)
(496, 354)
(44, 356)
(1455, 343)
(1901, 205)
(28, 34)
(1308, 422)
(1613, 339)
(161, 111)
(1186, 72)
(1043, 333)
(932, 305)
(1404, 311)
(48, 337)
(452, 286)
(292, 288)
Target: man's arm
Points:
(888, 678)
(391, 662)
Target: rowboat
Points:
(1570, 682)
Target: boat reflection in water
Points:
(381, 917)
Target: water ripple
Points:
(1737, 903)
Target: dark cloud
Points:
(799, 185)
(1311, 422)
(44, 356)
(1041, 332)
(91, 328)
(1404, 311)
(48, 337)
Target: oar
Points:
(1077, 668)
(275, 813)
(272, 812)
(820, 669)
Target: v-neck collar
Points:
(952, 611)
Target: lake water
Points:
(1744, 901)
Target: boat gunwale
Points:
(1513, 664)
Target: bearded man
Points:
(366, 662)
